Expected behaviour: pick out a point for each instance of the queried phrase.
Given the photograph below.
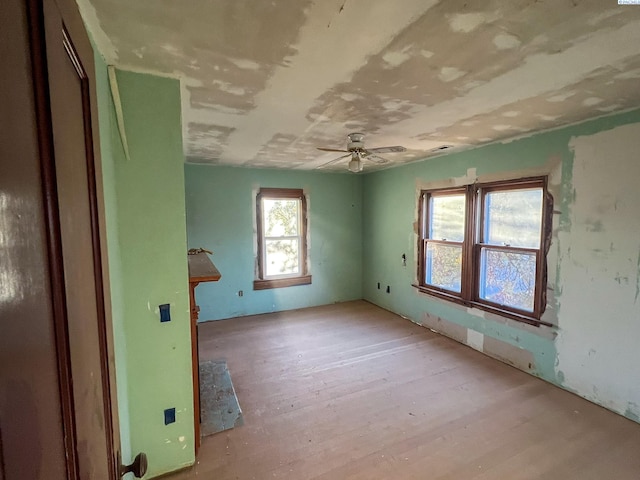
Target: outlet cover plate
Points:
(169, 416)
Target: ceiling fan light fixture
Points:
(359, 154)
(355, 165)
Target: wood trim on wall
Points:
(281, 282)
(473, 243)
(97, 247)
(304, 278)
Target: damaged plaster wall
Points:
(599, 288)
(594, 261)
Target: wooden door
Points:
(75, 182)
(56, 391)
(31, 427)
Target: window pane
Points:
(282, 257)
(447, 217)
(280, 217)
(508, 278)
(444, 266)
(513, 218)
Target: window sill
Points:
(281, 282)
(481, 306)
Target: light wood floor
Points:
(351, 391)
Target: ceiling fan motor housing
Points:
(356, 141)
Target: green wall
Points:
(111, 152)
(595, 248)
(220, 217)
(146, 242)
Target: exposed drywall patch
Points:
(567, 196)
(591, 101)
(244, 63)
(449, 329)
(546, 118)
(296, 86)
(515, 356)
(171, 49)
(347, 97)
(229, 88)
(506, 41)
(449, 74)
(561, 97)
(528, 349)
(565, 68)
(393, 105)
(598, 310)
(537, 340)
(397, 58)
(475, 340)
(609, 108)
(467, 22)
(273, 61)
(468, 178)
(201, 131)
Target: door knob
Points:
(138, 467)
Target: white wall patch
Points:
(475, 340)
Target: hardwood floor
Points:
(351, 391)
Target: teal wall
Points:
(594, 221)
(220, 217)
(146, 242)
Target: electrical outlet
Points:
(169, 416)
(240, 293)
(165, 312)
(378, 285)
(388, 289)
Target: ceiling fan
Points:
(358, 153)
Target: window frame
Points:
(262, 281)
(474, 242)
(424, 240)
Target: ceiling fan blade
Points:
(331, 149)
(335, 160)
(376, 159)
(394, 149)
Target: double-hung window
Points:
(485, 245)
(282, 238)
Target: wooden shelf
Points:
(202, 269)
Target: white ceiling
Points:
(265, 82)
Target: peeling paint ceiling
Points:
(265, 82)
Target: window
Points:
(282, 238)
(485, 246)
